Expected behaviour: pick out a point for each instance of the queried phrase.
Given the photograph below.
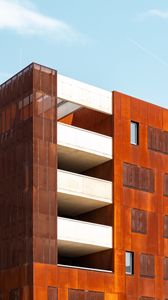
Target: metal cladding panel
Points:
(139, 221)
(139, 184)
(84, 295)
(138, 177)
(165, 268)
(165, 185)
(44, 165)
(147, 265)
(15, 294)
(146, 298)
(52, 293)
(27, 227)
(16, 172)
(158, 140)
(165, 226)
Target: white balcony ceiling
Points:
(77, 238)
(78, 194)
(84, 94)
(79, 149)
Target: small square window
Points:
(134, 133)
(129, 262)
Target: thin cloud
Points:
(24, 19)
(162, 14)
(148, 52)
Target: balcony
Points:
(79, 194)
(79, 149)
(78, 238)
(83, 94)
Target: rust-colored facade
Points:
(29, 261)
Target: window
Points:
(129, 261)
(134, 133)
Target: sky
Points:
(116, 45)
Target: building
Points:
(83, 191)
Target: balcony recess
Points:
(79, 149)
(78, 238)
(84, 94)
(78, 194)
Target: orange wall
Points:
(126, 109)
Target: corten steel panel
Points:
(16, 159)
(165, 276)
(138, 221)
(15, 294)
(44, 165)
(84, 295)
(126, 198)
(147, 265)
(158, 140)
(52, 293)
(165, 228)
(146, 298)
(165, 185)
(71, 278)
(138, 177)
(19, 181)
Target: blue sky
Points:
(117, 45)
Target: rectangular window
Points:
(129, 262)
(134, 133)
